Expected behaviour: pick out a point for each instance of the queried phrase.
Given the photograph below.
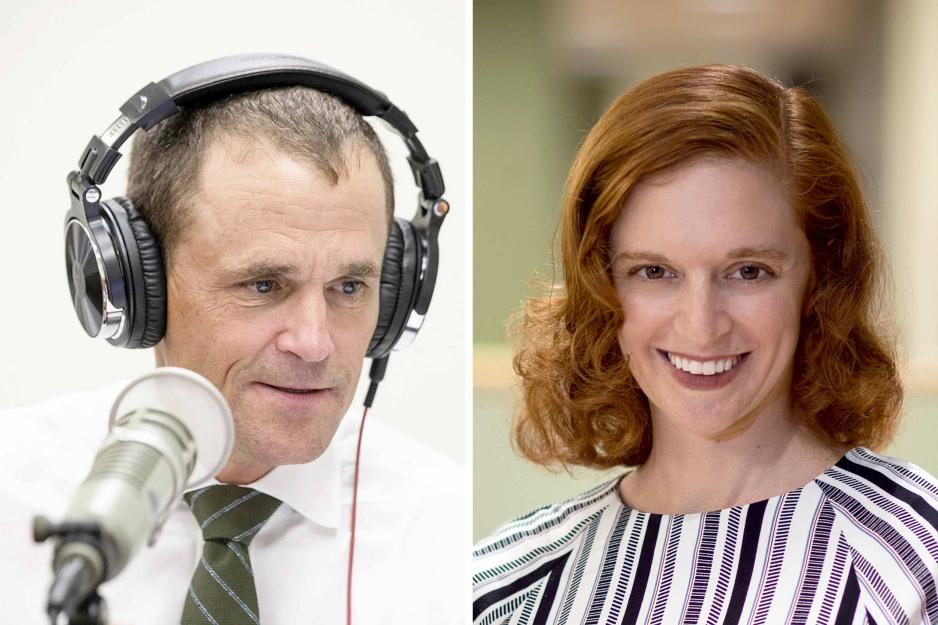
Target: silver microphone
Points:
(170, 430)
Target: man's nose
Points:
(702, 317)
(306, 330)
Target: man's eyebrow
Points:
(766, 253)
(267, 269)
(360, 269)
(264, 269)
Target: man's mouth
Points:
(293, 390)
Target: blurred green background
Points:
(543, 72)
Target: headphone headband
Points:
(237, 74)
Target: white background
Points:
(66, 69)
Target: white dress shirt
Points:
(410, 564)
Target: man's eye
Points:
(262, 287)
(351, 287)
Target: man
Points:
(273, 252)
(272, 209)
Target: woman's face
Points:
(711, 267)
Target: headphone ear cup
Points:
(148, 281)
(399, 273)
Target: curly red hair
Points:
(581, 406)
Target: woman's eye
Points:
(652, 272)
(751, 272)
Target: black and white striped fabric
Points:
(858, 544)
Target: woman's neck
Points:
(687, 472)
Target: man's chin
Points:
(262, 454)
(286, 438)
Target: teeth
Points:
(707, 367)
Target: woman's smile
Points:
(704, 374)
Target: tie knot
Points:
(226, 512)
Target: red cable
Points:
(351, 546)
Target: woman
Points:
(717, 330)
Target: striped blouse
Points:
(858, 544)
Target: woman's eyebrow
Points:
(765, 253)
(640, 256)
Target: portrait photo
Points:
(704, 335)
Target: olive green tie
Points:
(222, 589)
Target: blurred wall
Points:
(545, 70)
(519, 157)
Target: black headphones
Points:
(115, 265)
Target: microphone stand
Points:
(92, 611)
(74, 590)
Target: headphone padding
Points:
(398, 279)
(153, 315)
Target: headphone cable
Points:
(375, 374)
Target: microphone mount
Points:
(75, 589)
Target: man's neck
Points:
(242, 472)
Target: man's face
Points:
(273, 294)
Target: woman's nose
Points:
(702, 317)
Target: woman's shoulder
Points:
(886, 515)
(551, 526)
(866, 480)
